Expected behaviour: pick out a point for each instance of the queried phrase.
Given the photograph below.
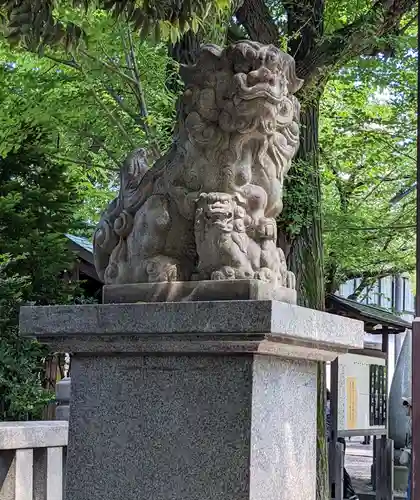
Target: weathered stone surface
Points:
(160, 428)
(63, 390)
(187, 291)
(207, 209)
(283, 430)
(63, 396)
(171, 427)
(173, 401)
(248, 325)
(20, 435)
(48, 472)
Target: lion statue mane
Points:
(207, 208)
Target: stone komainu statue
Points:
(206, 210)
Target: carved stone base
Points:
(191, 291)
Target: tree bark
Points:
(306, 253)
(255, 15)
(305, 259)
(305, 250)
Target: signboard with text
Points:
(362, 393)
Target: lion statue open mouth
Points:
(206, 209)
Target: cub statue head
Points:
(215, 211)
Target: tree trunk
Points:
(305, 259)
(305, 249)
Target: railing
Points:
(32, 460)
(383, 469)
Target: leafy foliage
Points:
(37, 205)
(21, 359)
(99, 103)
(368, 151)
(41, 22)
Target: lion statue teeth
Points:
(206, 210)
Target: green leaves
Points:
(299, 202)
(43, 23)
(38, 202)
(93, 101)
(368, 151)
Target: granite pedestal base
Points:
(192, 400)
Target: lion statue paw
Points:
(162, 268)
(265, 274)
(225, 273)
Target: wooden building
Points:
(84, 267)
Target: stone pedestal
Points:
(192, 400)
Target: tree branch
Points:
(132, 61)
(119, 100)
(366, 282)
(379, 228)
(356, 39)
(393, 147)
(255, 17)
(71, 63)
(111, 67)
(343, 193)
(377, 274)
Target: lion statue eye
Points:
(244, 60)
(272, 59)
(243, 66)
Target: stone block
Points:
(62, 412)
(180, 401)
(63, 390)
(189, 291)
(20, 435)
(248, 325)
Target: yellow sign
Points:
(351, 390)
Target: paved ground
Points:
(358, 461)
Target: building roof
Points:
(376, 319)
(81, 242)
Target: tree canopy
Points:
(38, 200)
(99, 103)
(46, 22)
(368, 152)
